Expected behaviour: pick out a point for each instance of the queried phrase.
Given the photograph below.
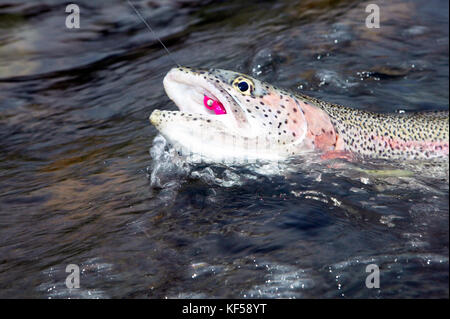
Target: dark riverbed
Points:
(84, 181)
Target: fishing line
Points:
(153, 32)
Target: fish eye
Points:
(242, 85)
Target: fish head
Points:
(225, 115)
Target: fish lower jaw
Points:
(196, 149)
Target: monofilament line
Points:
(153, 32)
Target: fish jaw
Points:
(210, 140)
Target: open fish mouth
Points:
(210, 121)
(199, 93)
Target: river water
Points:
(86, 180)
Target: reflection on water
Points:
(78, 184)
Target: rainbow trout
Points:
(225, 115)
